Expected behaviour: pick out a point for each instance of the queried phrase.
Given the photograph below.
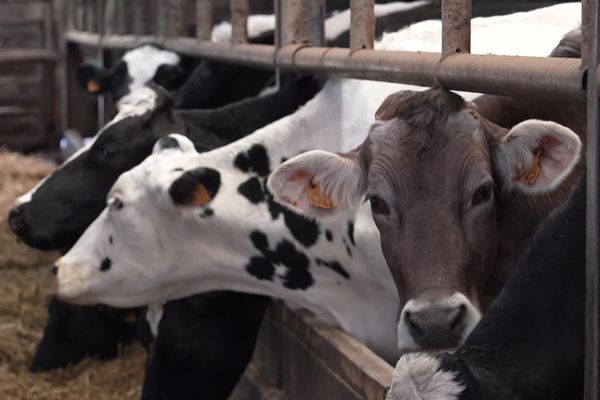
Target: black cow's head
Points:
(68, 200)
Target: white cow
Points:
(182, 223)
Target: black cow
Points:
(530, 343)
(60, 209)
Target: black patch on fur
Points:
(168, 142)
(182, 190)
(304, 230)
(285, 253)
(329, 235)
(334, 266)
(105, 265)
(351, 233)
(253, 190)
(254, 160)
(261, 268)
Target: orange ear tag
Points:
(317, 199)
(529, 177)
(93, 86)
(201, 196)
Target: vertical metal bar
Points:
(138, 24)
(302, 22)
(161, 19)
(204, 19)
(174, 18)
(277, 39)
(122, 16)
(239, 21)
(70, 15)
(456, 26)
(591, 30)
(100, 101)
(362, 24)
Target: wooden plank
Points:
(25, 56)
(343, 356)
(21, 13)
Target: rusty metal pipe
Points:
(239, 21)
(456, 26)
(503, 75)
(362, 24)
(204, 19)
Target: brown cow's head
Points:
(435, 172)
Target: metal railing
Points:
(299, 35)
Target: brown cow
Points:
(454, 196)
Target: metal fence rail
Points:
(300, 30)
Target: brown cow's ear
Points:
(318, 183)
(536, 156)
(196, 187)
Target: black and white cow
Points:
(530, 343)
(320, 266)
(58, 210)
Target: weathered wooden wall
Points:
(29, 109)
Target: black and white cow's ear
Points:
(319, 183)
(196, 187)
(536, 156)
(93, 79)
(174, 142)
(171, 77)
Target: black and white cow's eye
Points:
(108, 151)
(482, 194)
(378, 205)
(115, 203)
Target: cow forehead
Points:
(433, 159)
(143, 62)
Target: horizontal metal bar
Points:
(15, 56)
(502, 75)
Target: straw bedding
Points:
(25, 284)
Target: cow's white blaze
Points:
(143, 62)
(160, 251)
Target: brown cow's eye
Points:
(482, 194)
(378, 206)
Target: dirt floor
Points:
(25, 284)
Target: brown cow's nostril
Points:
(413, 328)
(54, 270)
(457, 321)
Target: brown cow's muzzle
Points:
(436, 323)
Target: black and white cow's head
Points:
(137, 67)
(53, 215)
(181, 221)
